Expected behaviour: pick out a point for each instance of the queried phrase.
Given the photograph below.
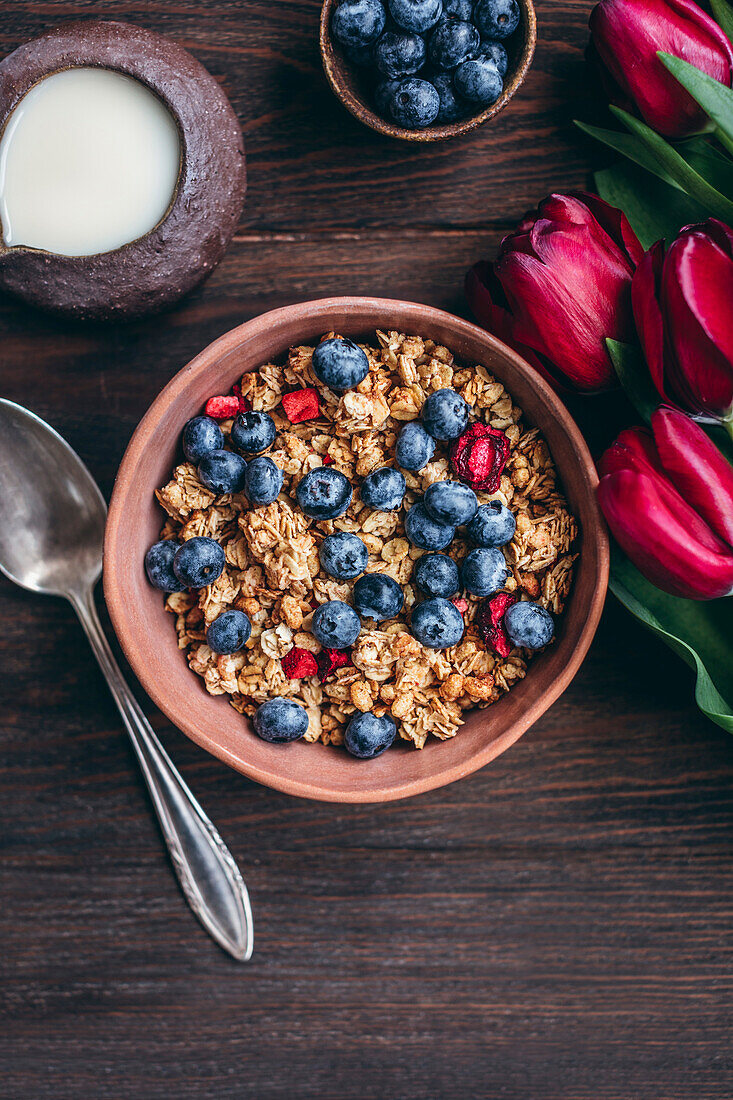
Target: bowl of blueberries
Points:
(426, 70)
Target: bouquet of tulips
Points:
(634, 287)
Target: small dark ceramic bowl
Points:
(147, 633)
(352, 86)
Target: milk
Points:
(89, 161)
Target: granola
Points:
(273, 572)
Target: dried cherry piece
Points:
(299, 663)
(300, 405)
(221, 408)
(328, 660)
(490, 622)
(245, 405)
(327, 460)
(479, 456)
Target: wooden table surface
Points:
(556, 926)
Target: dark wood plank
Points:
(557, 926)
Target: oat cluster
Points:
(274, 575)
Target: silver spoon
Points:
(52, 519)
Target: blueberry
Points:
(437, 575)
(253, 432)
(451, 107)
(445, 414)
(263, 481)
(459, 9)
(201, 435)
(159, 566)
(423, 531)
(497, 18)
(368, 735)
(324, 493)
(494, 51)
(383, 489)
(478, 80)
(199, 562)
(529, 625)
(280, 720)
(415, 447)
(452, 41)
(415, 104)
(335, 625)
(451, 502)
(361, 56)
(222, 472)
(340, 363)
(358, 22)
(343, 556)
(484, 571)
(416, 15)
(437, 623)
(399, 55)
(229, 632)
(383, 93)
(377, 596)
(493, 525)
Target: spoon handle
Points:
(208, 875)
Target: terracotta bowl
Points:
(146, 631)
(353, 87)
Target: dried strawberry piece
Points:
(301, 405)
(327, 460)
(461, 604)
(245, 405)
(479, 456)
(490, 622)
(221, 408)
(299, 663)
(328, 660)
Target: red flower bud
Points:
(479, 456)
(560, 286)
(626, 36)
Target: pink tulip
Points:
(668, 499)
(683, 308)
(560, 286)
(626, 35)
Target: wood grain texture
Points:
(556, 927)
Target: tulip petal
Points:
(658, 544)
(696, 466)
(615, 223)
(648, 313)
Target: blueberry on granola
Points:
(335, 625)
(159, 566)
(416, 15)
(369, 735)
(200, 435)
(343, 555)
(400, 54)
(437, 575)
(423, 531)
(263, 481)
(415, 447)
(496, 18)
(452, 41)
(358, 22)
(222, 472)
(229, 632)
(324, 493)
(445, 414)
(383, 489)
(280, 721)
(437, 623)
(340, 363)
(253, 432)
(479, 81)
(199, 562)
(451, 502)
(415, 104)
(377, 596)
(484, 571)
(529, 625)
(493, 525)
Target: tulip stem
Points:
(724, 140)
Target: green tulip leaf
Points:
(677, 167)
(723, 14)
(629, 146)
(655, 210)
(700, 632)
(632, 373)
(713, 166)
(715, 99)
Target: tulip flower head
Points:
(683, 308)
(668, 500)
(560, 286)
(626, 36)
